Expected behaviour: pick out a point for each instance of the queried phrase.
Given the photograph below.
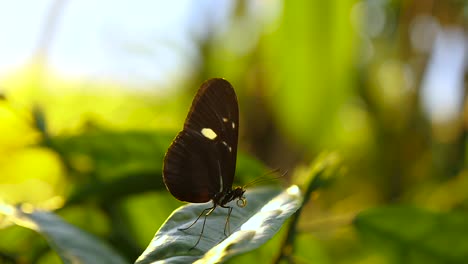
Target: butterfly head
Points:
(239, 194)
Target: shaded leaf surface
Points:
(71, 244)
(440, 237)
(266, 211)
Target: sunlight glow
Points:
(443, 81)
(270, 210)
(18, 216)
(254, 223)
(6, 209)
(272, 205)
(294, 190)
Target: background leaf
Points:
(72, 244)
(416, 235)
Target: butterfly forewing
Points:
(202, 158)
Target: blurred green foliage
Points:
(314, 78)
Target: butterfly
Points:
(200, 164)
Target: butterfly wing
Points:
(201, 160)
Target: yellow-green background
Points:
(92, 151)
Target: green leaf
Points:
(417, 235)
(71, 244)
(113, 154)
(252, 226)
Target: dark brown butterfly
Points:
(200, 164)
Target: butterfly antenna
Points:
(265, 178)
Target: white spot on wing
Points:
(225, 119)
(208, 133)
(229, 147)
(233, 125)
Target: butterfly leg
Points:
(196, 220)
(227, 225)
(210, 210)
(203, 227)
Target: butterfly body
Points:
(222, 198)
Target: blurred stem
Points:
(49, 31)
(46, 37)
(318, 178)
